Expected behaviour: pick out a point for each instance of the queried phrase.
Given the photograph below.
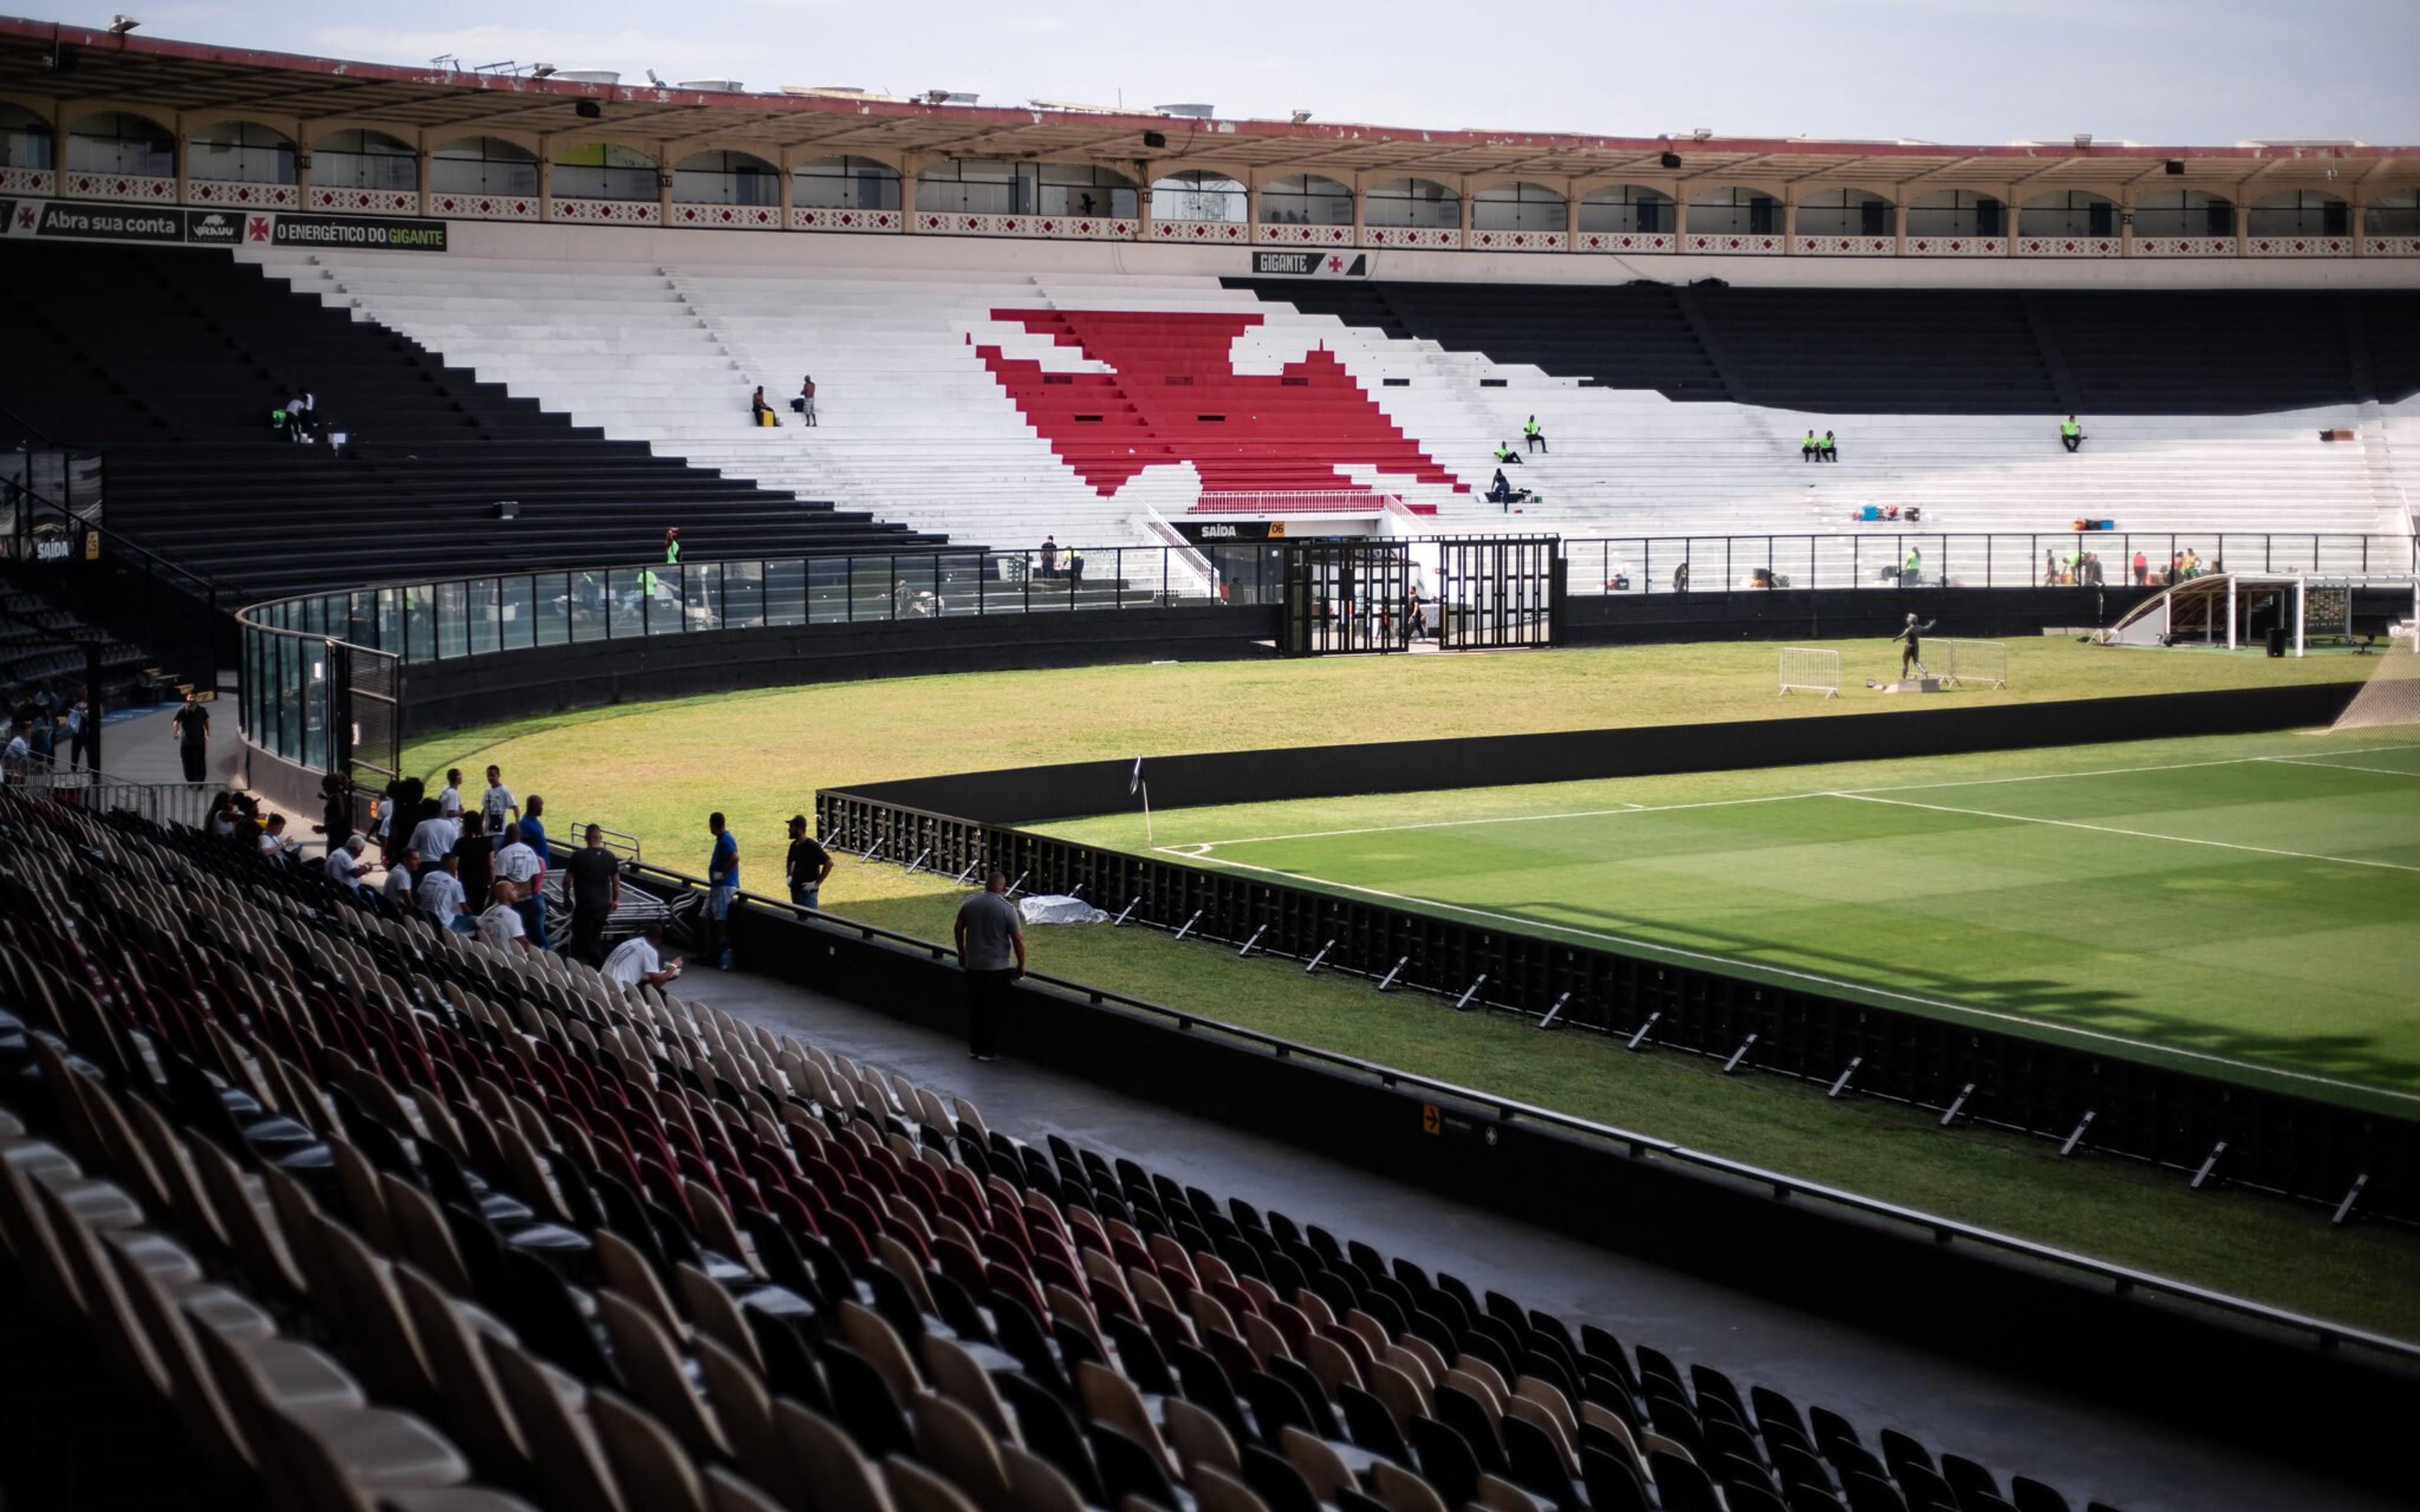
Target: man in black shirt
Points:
(193, 738)
(809, 864)
(478, 855)
(596, 892)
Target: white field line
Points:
(1816, 978)
(2133, 834)
(1776, 798)
(2343, 766)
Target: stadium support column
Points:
(1571, 215)
(1463, 186)
(1144, 174)
(546, 180)
(1789, 219)
(1252, 205)
(789, 186)
(907, 194)
(302, 169)
(663, 186)
(1356, 209)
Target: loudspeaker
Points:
(2276, 640)
(588, 110)
(1670, 160)
(508, 509)
(2175, 167)
(1155, 139)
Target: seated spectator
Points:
(758, 411)
(18, 755)
(346, 867)
(1534, 435)
(1810, 449)
(397, 888)
(1830, 449)
(273, 843)
(499, 924)
(639, 959)
(440, 893)
(2071, 435)
(1505, 454)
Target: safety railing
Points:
(1479, 1104)
(1887, 553)
(165, 803)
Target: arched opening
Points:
(1522, 206)
(2300, 213)
(726, 179)
(1625, 208)
(1734, 213)
(241, 152)
(120, 141)
(2069, 213)
(1199, 195)
(992, 186)
(1305, 199)
(1956, 213)
(844, 184)
(1846, 212)
(365, 160)
(2395, 214)
(487, 165)
(1411, 202)
(26, 140)
(2184, 212)
(603, 170)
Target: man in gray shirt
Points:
(991, 951)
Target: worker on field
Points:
(2071, 435)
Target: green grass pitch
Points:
(2246, 907)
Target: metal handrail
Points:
(2123, 1279)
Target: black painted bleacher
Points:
(170, 361)
(1917, 351)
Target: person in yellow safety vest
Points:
(1811, 448)
(2071, 435)
(1504, 453)
(672, 547)
(1911, 571)
(1536, 434)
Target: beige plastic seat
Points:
(1319, 1464)
(844, 1479)
(652, 1370)
(1497, 1494)
(1199, 1439)
(260, 1249)
(365, 1198)
(1401, 1491)
(1036, 1485)
(863, 1329)
(727, 1493)
(375, 1449)
(958, 1375)
(954, 1445)
(715, 1313)
(1216, 1490)
(470, 1405)
(654, 1472)
(914, 1489)
(1111, 1398)
(422, 1237)
(745, 1410)
(562, 1445)
(627, 1270)
(382, 1332)
(454, 1499)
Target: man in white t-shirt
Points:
(640, 958)
(518, 863)
(398, 878)
(346, 867)
(500, 925)
(436, 835)
(273, 842)
(449, 802)
(440, 893)
(497, 805)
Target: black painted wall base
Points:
(1835, 614)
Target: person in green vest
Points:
(1911, 572)
(1504, 453)
(672, 547)
(2071, 435)
(1810, 449)
(1535, 434)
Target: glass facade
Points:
(844, 184)
(365, 160)
(1196, 195)
(603, 170)
(483, 165)
(726, 179)
(1517, 208)
(243, 152)
(1845, 212)
(115, 142)
(994, 186)
(1411, 202)
(1305, 199)
(1625, 208)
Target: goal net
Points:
(1969, 661)
(2392, 694)
(1809, 669)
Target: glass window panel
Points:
(480, 601)
(516, 622)
(844, 184)
(453, 631)
(628, 588)
(591, 597)
(664, 601)
(553, 608)
(700, 597)
(743, 595)
(828, 590)
(785, 592)
(420, 622)
(483, 165)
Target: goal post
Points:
(1811, 670)
(1970, 661)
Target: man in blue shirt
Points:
(723, 885)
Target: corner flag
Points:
(1134, 782)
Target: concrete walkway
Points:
(2014, 1426)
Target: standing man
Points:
(1050, 556)
(397, 889)
(2141, 568)
(672, 546)
(1535, 434)
(1911, 572)
(497, 805)
(518, 864)
(806, 405)
(193, 738)
(722, 886)
(449, 799)
(596, 880)
(991, 951)
(809, 864)
(2071, 435)
(84, 735)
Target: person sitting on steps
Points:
(2071, 435)
(1505, 455)
(1828, 449)
(1535, 434)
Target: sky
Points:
(2165, 72)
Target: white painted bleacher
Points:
(915, 429)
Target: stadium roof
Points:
(189, 82)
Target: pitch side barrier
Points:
(2087, 1100)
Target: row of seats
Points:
(172, 361)
(375, 1213)
(42, 643)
